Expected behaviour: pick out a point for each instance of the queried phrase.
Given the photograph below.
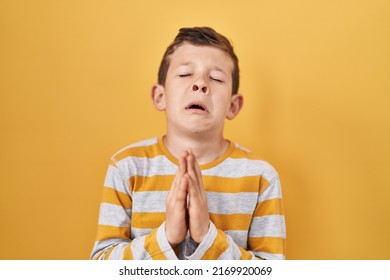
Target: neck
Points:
(206, 149)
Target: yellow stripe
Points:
(269, 207)
(264, 184)
(211, 183)
(273, 245)
(98, 255)
(106, 232)
(118, 198)
(245, 255)
(147, 220)
(151, 245)
(127, 254)
(217, 248)
(239, 153)
(231, 221)
(201, 166)
(142, 151)
(107, 255)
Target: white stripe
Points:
(145, 143)
(231, 203)
(235, 168)
(229, 168)
(153, 201)
(232, 252)
(137, 232)
(205, 244)
(143, 166)
(218, 203)
(114, 215)
(104, 245)
(273, 191)
(164, 244)
(240, 237)
(138, 249)
(118, 252)
(242, 148)
(115, 181)
(269, 256)
(268, 226)
(102, 256)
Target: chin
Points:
(201, 131)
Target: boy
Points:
(192, 194)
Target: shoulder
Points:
(141, 149)
(252, 163)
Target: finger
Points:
(193, 190)
(192, 170)
(191, 187)
(183, 164)
(181, 169)
(190, 165)
(198, 173)
(183, 190)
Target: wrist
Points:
(198, 238)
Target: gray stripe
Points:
(143, 166)
(273, 191)
(152, 201)
(242, 148)
(231, 203)
(137, 232)
(269, 256)
(205, 244)
(268, 226)
(240, 237)
(118, 252)
(138, 249)
(104, 245)
(229, 168)
(219, 203)
(114, 215)
(232, 252)
(145, 143)
(115, 181)
(189, 246)
(235, 168)
(164, 244)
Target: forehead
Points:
(206, 55)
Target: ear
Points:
(158, 97)
(236, 104)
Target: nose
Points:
(200, 86)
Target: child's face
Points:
(197, 95)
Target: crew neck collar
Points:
(211, 164)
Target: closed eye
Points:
(184, 75)
(216, 79)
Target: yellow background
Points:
(75, 78)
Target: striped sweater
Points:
(243, 196)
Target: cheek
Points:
(173, 101)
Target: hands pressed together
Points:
(187, 203)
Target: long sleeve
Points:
(266, 235)
(113, 240)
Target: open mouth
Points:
(197, 106)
